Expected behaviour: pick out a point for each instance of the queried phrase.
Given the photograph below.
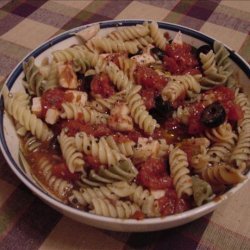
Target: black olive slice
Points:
(213, 115)
(162, 110)
(85, 82)
(157, 53)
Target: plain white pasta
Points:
(221, 173)
(32, 144)
(128, 66)
(120, 209)
(13, 104)
(221, 151)
(118, 77)
(221, 133)
(102, 44)
(78, 112)
(157, 35)
(108, 103)
(138, 111)
(52, 81)
(73, 158)
(179, 172)
(126, 148)
(129, 33)
(179, 85)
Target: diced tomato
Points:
(153, 174)
(61, 170)
(167, 203)
(101, 85)
(148, 78)
(68, 97)
(171, 204)
(166, 35)
(100, 130)
(234, 112)
(148, 97)
(134, 135)
(92, 162)
(182, 205)
(179, 59)
(52, 98)
(194, 124)
(138, 215)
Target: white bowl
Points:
(9, 139)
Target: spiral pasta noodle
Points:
(123, 171)
(120, 209)
(56, 186)
(179, 85)
(222, 173)
(102, 44)
(180, 172)
(139, 112)
(73, 158)
(78, 112)
(221, 133)
(23, 115)
(34, 79)
(52, 81)
(157, 35)
(129, 33)
(126, 148)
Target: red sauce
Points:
(148, 97)
(179, 59)
(120, 138)
(138, 215)
(60, 170)
(153, 174)
(101, 85)
(52, 98)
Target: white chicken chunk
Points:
(36, 107)
(143, 59)
(89, 32)
(67, 76)
(52, 116)
(178, 39)
(119, 119)
(157, 194)
(146, 147)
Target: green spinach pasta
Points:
(132, 123)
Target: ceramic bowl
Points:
(9, 139)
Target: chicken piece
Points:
(52, 116)
(67, 76)
(36, 107)
(145, 148)
(119, 119)
(88, 33)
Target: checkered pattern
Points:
(25, 221)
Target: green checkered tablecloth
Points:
(25, 221)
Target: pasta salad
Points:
(134, 124)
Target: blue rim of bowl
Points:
(61, 37)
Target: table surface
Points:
(25, 221)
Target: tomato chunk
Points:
(148, 78)
(171, 204)
(92, 162)
(101, 85)
(152, 174)
(52, 98)
(61, 170)
(179, 59)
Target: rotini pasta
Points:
(180, 172)
(127, 124)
